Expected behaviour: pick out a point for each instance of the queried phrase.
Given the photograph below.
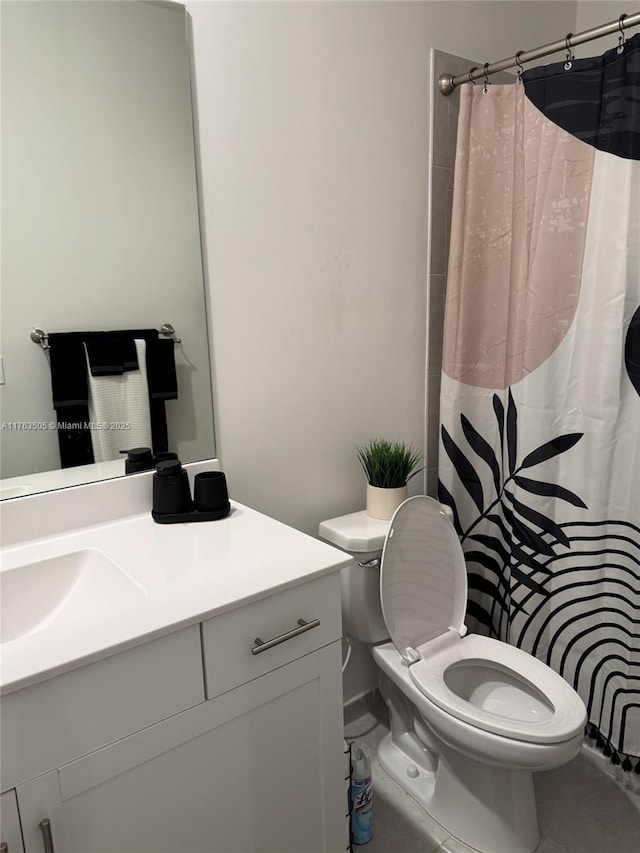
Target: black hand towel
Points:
(161, 369)
(74, 437)
(111, 353)
(69, 385)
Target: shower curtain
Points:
(540, 400)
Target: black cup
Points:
(171, 493)
(210, 492)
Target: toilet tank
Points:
(362, 537)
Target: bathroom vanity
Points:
(181, 691)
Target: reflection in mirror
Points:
(100, 233)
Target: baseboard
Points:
(366, 703)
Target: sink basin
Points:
(75, 587)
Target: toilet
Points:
(471, 718)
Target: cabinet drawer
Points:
(57, 720)
(228, 639)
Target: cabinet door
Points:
(10, 823)
(256, 770)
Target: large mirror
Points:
(100, 227)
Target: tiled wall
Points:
(444, 128)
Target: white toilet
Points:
(471, 718)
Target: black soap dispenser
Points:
(138, 459)
(143, 459)
(171, 492)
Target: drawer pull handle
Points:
(47, 838)
(262, 645)
(4, 847)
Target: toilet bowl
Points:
(471, 718)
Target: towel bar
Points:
(42, 338)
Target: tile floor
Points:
(580, 809)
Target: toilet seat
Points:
(547, 710)
(423, 591)
(423, 577)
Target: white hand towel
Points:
(119, 410)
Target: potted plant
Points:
(388, 465)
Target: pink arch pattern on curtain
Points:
(540, 401)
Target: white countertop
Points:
(185, 573)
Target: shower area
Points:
(533, 391)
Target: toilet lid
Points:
(423, 579)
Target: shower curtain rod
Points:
(447, 82)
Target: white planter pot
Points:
(382, 503)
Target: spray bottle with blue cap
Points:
(361, 795)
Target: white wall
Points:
(314, 133)
(592, 13)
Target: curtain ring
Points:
(569, 57)
(621, 37)
(471, 70)
(519, 64)
(485, 88)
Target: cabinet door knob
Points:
(262, 645)
(47, 838)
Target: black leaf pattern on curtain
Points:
(536, 487)
(467, 473)
(445, 497)
(529, 560)
(525, 536)
(512, 432)
(482, 448)
(494, 544)
(498, 408)
(550, 449)
(542, 521)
